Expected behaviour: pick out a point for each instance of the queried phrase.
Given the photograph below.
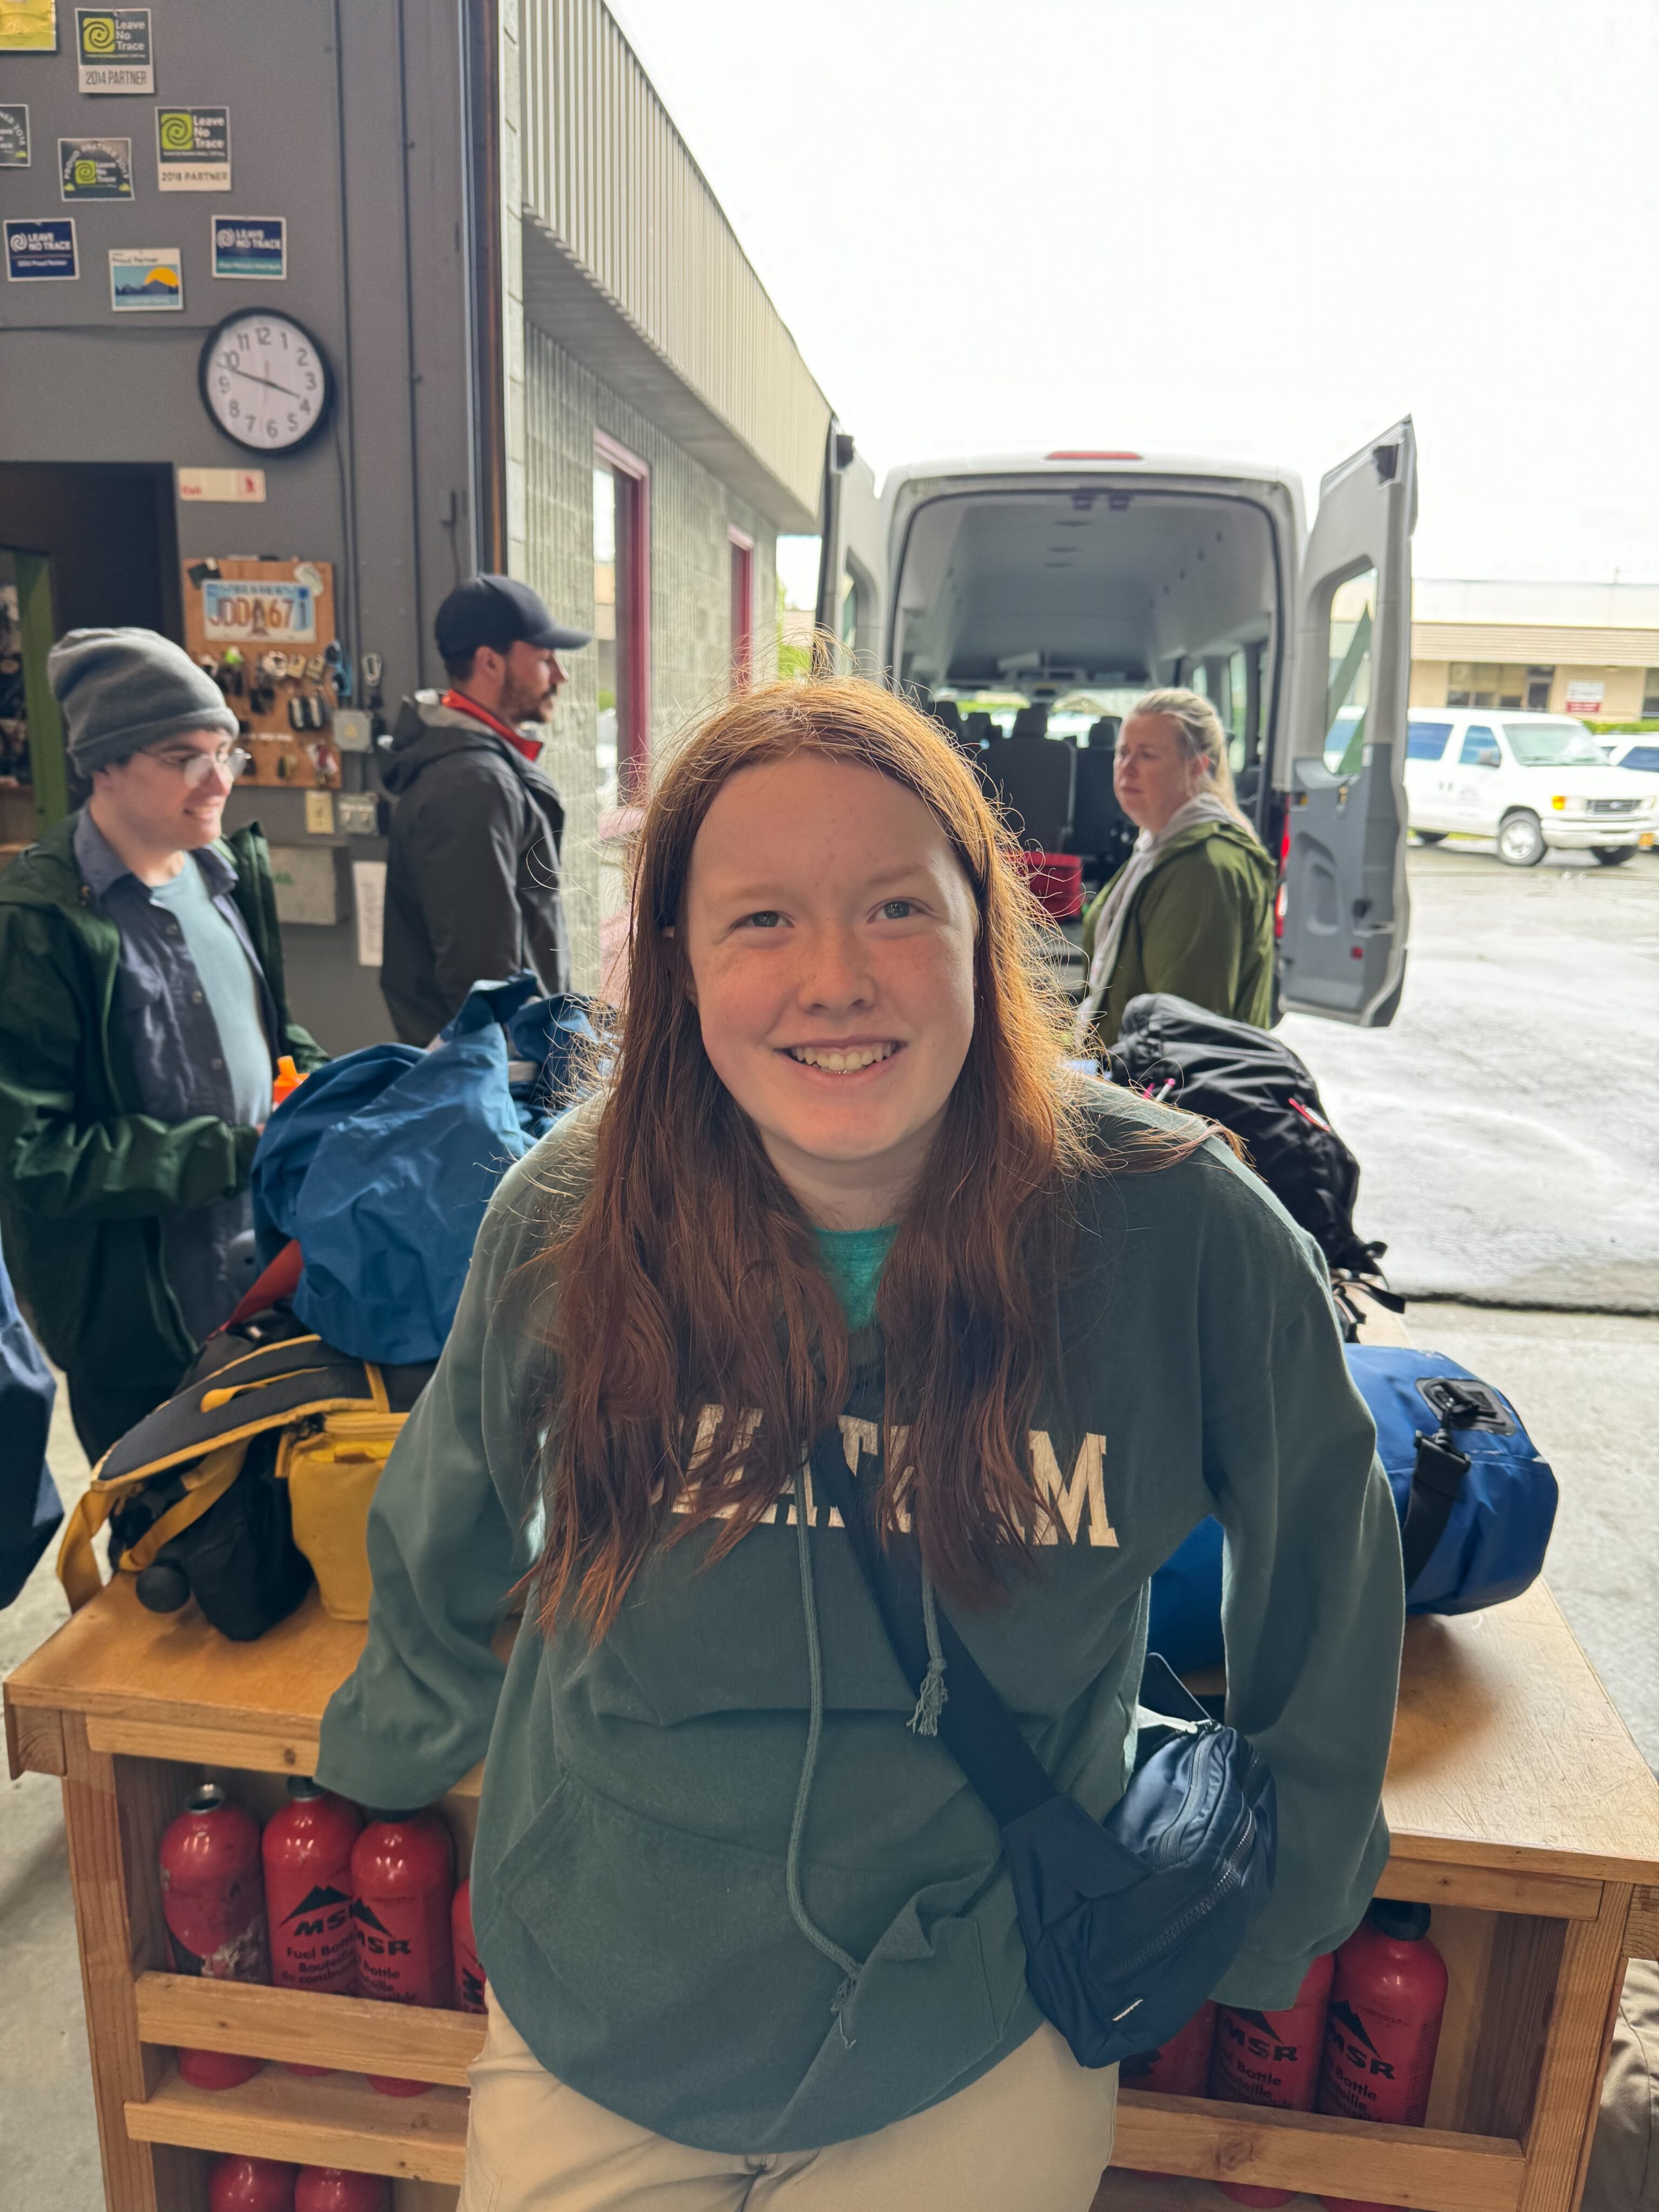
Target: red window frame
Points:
(633, 481)
(743, 609)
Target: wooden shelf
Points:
(356, 2035)
(1208, 2141)
(336, 2121)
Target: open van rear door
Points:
(852, 563)
(1342, 950)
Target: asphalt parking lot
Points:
(1506, 1123)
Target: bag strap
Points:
(977, 1727)
(1436, 1486)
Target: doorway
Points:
(83, 545)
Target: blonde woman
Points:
(1191, 911)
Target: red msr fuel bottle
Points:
(1179, 2068)
(402, 1881)
(332, 2189)
(1272, 2058)
(468, 1974)
(213, 1901)
(1383, 2028)
(306, 1849)
(250, 2184)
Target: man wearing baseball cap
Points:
(473, 867)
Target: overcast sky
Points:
(1260, 229)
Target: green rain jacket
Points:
(1201, 926)
(86, 1175)
(629, 1888)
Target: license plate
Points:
(1645, 839)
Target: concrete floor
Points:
(1506, 1128)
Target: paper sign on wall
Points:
(250, 246)
(145, 279)
(368, 889)
(14, 135)
(38, 250)
(192, 150)
(113, 50)
(1586, 697)
(28, 26)
(240, 613)
(233, 484)
(95, 168)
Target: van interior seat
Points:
(1100, 830)
(979, 729)
(1032, 778)
(1102, 736)
(1031, 722)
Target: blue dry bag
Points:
(381, 1163)
(1476, 1503)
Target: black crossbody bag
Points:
(1129, 1923)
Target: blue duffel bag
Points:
(380, 1165)
(1476, 1503)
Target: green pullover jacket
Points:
(86, 1175)
(1201, 926)
(628, 1877)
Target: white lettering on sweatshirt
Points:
(1066, 1503)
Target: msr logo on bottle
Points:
(1347, 2031)
(376, 1938)
(320, 1910)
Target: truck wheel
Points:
(1429, 836)
(1612, 856)
(1520, 839)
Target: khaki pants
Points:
(1031, 2136)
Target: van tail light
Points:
(1284, 858)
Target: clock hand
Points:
(266, 381)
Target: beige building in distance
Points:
(1590, 650)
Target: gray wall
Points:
(331, 139)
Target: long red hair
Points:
(689, 1275)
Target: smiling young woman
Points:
(749, 1933)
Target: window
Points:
(1427, 740)
(1642, 757)
(1479, 748)
(622, 618)
(1553, 744)
(1540, 683)
(743, 610)
(1348, 683)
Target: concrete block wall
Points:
(691, 513)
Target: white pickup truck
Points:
(1074, 580)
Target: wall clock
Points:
(265, 381)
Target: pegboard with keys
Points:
(264, 630)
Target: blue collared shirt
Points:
(179, 1058)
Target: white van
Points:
(1074, 580)
(1533, 782)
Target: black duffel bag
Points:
(1259, 1091)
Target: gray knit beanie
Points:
(122, 689)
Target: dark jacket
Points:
(473, 870)
(87, 1177)
(1201, 926)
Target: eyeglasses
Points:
(193, 767)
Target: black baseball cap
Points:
(497, 611)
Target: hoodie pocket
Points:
(683, 1994)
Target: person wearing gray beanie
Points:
(141, 1022)
(124, 690)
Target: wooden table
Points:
(1520, 1809)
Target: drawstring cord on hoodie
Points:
(924, 1721)
(851, 1968)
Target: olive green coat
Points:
(1202, 924)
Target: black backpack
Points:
(1258, 1091)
